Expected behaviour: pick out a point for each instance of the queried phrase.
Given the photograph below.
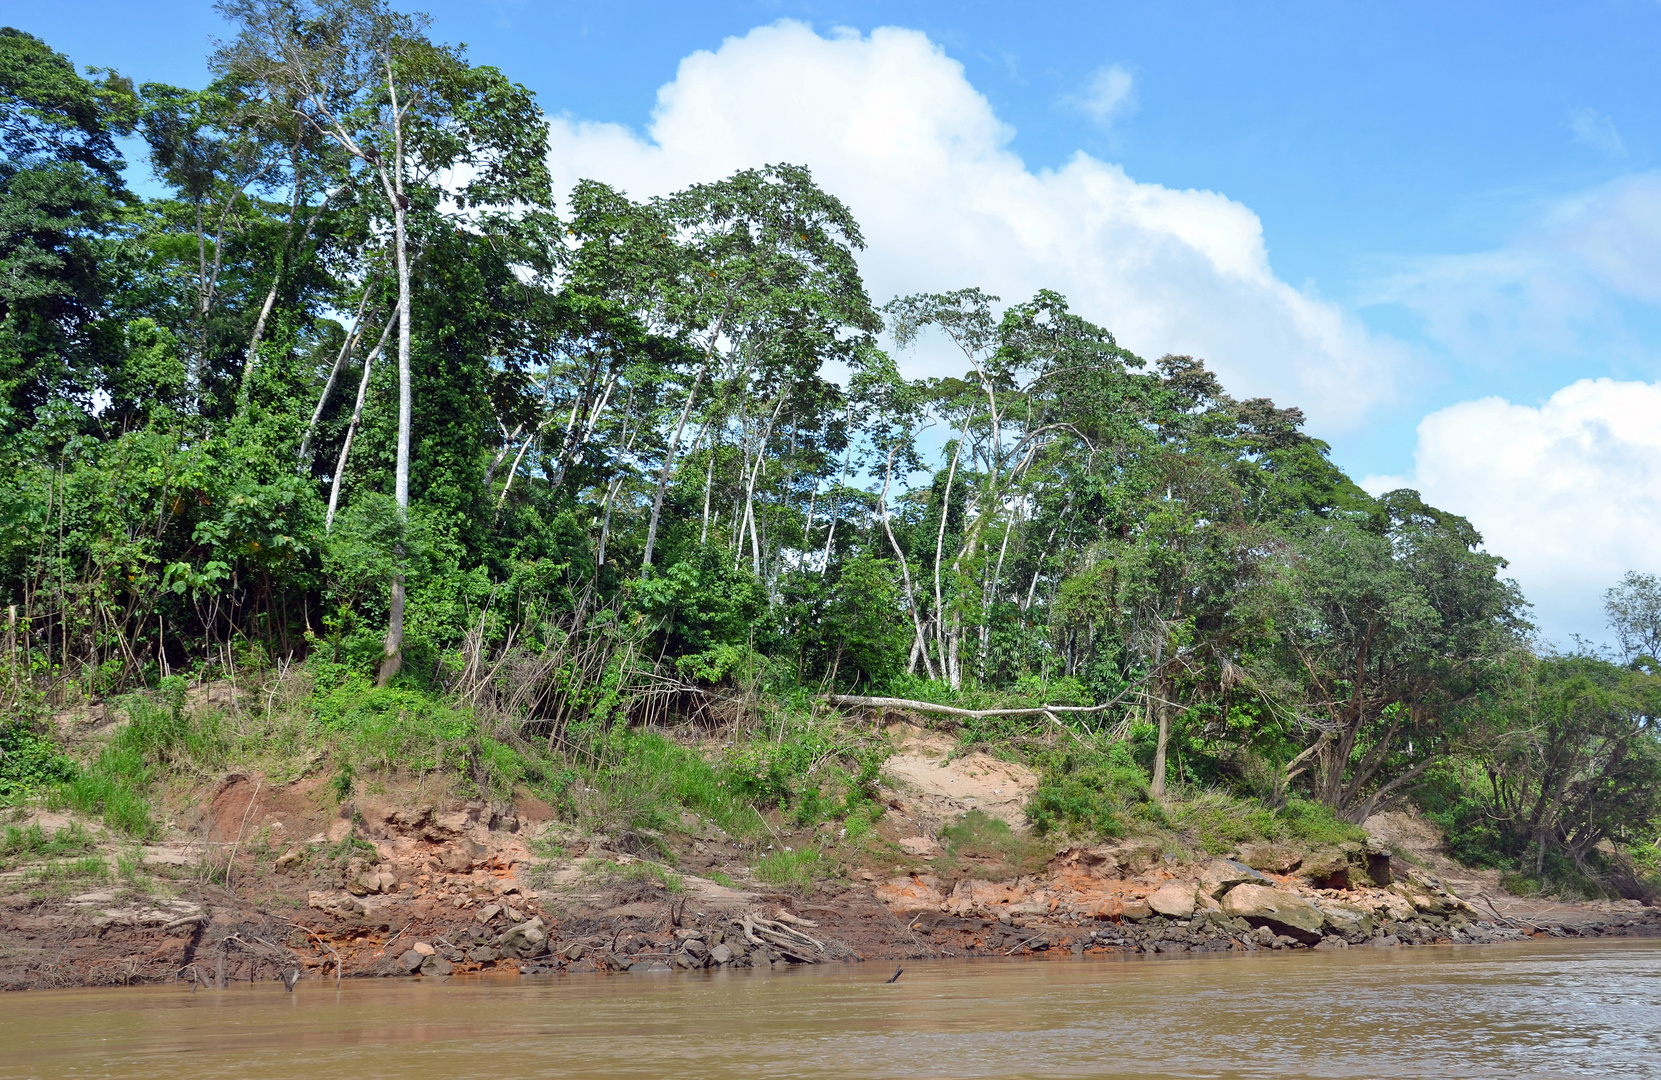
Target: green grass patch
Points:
(980, 839)
(157, 740)
(794, 869)
(19, 844)
(1217, 822)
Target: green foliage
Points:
(29, 761)
(792, 868)
(393, 728)
(1093, 792)
(627, 471)
(156, 741)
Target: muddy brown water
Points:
(1562, 1009)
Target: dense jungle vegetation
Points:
(350, 411)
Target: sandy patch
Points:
(923, 769)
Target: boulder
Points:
(1330, 868)
(1377, 852)
(524, 940)
(483, 954)
(423, 948)
(1346, 920)
(436, 965)
(411, 961)
(720, 955)
(1136, 910)
(1283, 912)
(1224, 874)
(1271, 857)
(1175, 900)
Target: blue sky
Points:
(1470, 190)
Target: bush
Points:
(29, 762)
(1090, 792)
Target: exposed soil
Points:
(265, 880)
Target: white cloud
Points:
(1109, 94)
(1556, 287)
(1593, 129)
(1569, 492)
(890, 124)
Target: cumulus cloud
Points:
(1109, 94)
(1592, 128)
(891, 124)
(1569, 491)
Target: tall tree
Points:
(418, 121)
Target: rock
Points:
(687, 961)
(1328, 868)
(482, 954)
(436, 965)
(1175, 900)
(289, 860)
(524, 940)
(1378, 853)
(1271, 857)
(922, 846)
(344, 907)
(1284, 912)
(694, 947)
(1224, 874)
(687, 934)
(1136, 910)
(488, 912)
(339, 830)
(720, 955)
(1345, 920)
(916, 892)
(423, 948)
(1136, 856)
(575, 950)
(411, 960)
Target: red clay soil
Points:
(391, 885)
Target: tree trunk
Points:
(669, 460)
(1163, 711)
(905, 570)
(393, 652)
(352, 429)
(334, 373)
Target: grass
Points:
(638, 872)
(59, 877)
(981, 840)
(1104, 793)
(19, 845)
(796, 868)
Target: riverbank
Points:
(261, 878)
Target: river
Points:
(1559, 1009)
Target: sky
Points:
(1434, 227)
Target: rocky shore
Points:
(392, 889)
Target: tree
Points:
(1569, 749)
(1634, 608)
(1393, 622)
(61, 192)
(765, 255)
(417, 119)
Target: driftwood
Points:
(794, 944)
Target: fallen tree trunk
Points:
(952, 710)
